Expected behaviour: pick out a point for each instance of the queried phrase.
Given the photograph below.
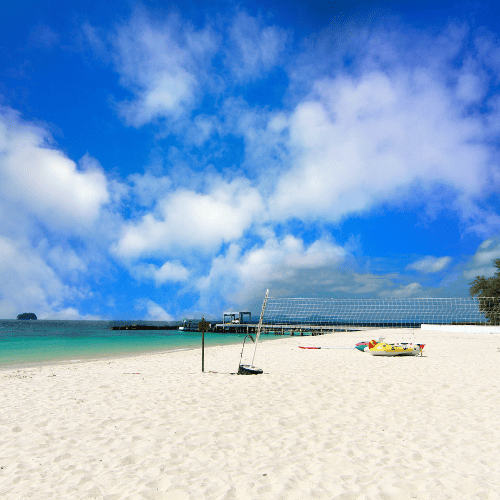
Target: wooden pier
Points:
(248, 328)
(292, 330)
(143, 327)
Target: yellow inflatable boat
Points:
(383, 349)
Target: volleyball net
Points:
(382, 312)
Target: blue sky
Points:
(159, 161)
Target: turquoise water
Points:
(42, 341)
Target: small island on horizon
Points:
(27, 316)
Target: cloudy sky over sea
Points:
(160, 160)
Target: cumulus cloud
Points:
(153, 311)
(471, 82)
(190, 219)
(430, 264)
(396, 125)
(482, 261)
(403, 291)
(286, 264)
(169, 272)
(372, 138)
(162, 63)
(148, 188)
(42, 181)
(44, 193)
(289, 267)
(27, 282)
(266, 139)
(168, 65)
(65, 261)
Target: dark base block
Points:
(249, 370)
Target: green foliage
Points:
(26, 316)
(488, 291)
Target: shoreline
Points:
(93, 357)
(377, 332)
(27, 366)
(319, 424)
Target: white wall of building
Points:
(461, 328)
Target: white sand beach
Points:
(318, 424)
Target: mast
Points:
(260, 325)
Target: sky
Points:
(162, 160)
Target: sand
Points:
(318, 424)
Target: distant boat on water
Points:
(27, 316)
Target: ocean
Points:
(44, 341)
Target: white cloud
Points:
(27, 282)
(154, 312)
(482, 262)
(66, 261)
(200, 129)
(253, 48)
(430, 264)
(289, 267)
(54, 217)
(167, 64)
(169, 272)
(470, 86)
(364, 140)
(279, 259)
(395, 126)
(189, 219)
(40, 180)
(365, 284)
(148, 188)
(486, 222)
(287, 264)
(266, 137)
(162, 63)
(403, 291)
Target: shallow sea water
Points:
(45, 341)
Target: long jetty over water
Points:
(301, 330)
(144, 327)
(248, 328)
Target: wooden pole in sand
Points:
(203, 326)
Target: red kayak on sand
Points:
(325, 347)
